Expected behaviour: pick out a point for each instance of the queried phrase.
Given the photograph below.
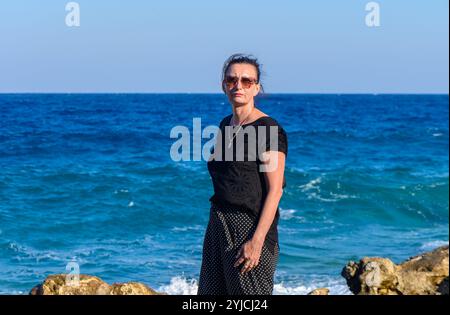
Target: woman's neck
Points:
(242, 113)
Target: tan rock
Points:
(421, 274)
(131, 288)
(319, 291)
(62, 284)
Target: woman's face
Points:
(241, 92)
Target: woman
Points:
(240, 248)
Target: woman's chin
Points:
(238, 100)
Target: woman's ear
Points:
(223, 87)
(257, 89)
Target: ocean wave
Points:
(180, 285)
(291, 215)
(375, 194)
(433, 244)
(335, 287)
(13, 292)
(85, 253)
(23, 253)
(430, 174)
(335, 197)
(312, 190)
(312, 184)
(287, 214)
(187, 228)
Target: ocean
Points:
(88, 178)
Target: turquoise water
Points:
(89, 178)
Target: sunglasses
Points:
(232, 81)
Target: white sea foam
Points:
(430, 174)
(433, 244)
(286, 214)
(303, 289)
(24, 253)
(342, 196)
(14, 292)
(335, 197)
(181, 285)
(124, 191)
(434, 185)
(187, 228)
(312, 190)
(295, 169)
(313, 184)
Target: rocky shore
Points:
(424, 274)
(89, 285)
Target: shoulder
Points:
(225, 120)
(275, 135)
(269, 121)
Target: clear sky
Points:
(314, 46)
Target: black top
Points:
(239, 182)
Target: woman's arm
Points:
(250, 252)
(274, 184)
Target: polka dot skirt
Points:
(226, 232)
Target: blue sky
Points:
(316, 46)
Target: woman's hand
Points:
(250, 252)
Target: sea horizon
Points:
(221, 93)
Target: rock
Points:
(319, 291)
(443, 287)
(61, 284)
(56, 285)
(423, 274)
(131, 288)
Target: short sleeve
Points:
(275, 138)
(281, 139)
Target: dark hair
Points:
(242, 58)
